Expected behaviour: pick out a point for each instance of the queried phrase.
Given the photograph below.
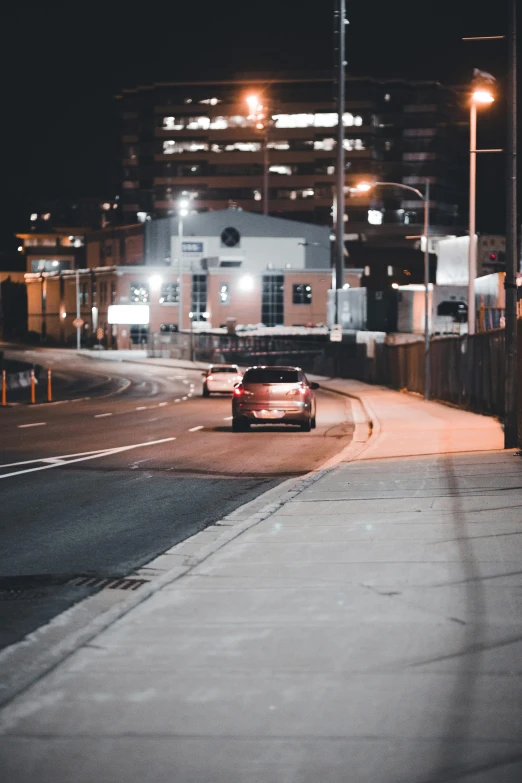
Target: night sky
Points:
(62, 64)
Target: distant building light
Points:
(55, 263)
(34, 216)
(390, 271)
(367, 271)
(395, 285)
(374, 217)
(346, 286)
(46, 216)
(20, 248)
(106, 205)
(64, 315)
(246, 283)
(142, 217)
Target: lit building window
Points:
(219, 123)
(242, 146)
(374, 217)
(324, 144)
(224, 294)
(308, 193)
(211, 101)
(278, 145)
(169, 293)
(301, 293)
(198, 123)
(34, 216)
(281, 170)
(173, 147)
(139, 292)
(172, 123)
(258, 195)
(320, 120)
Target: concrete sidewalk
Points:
(365, 629)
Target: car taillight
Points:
(239, 390)
(297, 392)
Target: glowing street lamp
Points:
(481, 96)
(364, 187)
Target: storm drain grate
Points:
(34, 587)
(118, 583)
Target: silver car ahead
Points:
(274, 395)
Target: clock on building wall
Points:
(230, 237)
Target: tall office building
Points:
(202, 138)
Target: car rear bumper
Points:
(272, 413)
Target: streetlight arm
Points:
(400, 185)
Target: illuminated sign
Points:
(192, 248)
(128, 314)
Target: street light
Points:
(183, 205)
(257, 114)
(480, 96)
(366, 186)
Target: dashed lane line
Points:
(101, 415)
(55, 462)
(34, 424)
(195, 429)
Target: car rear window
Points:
(271, 375)
(224, 369)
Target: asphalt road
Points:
(136, 462)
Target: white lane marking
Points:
(104, 453)
(228, 418)
(36, 424)
(195, 429)
(154, 418)
(184, 398)
(186, 382)
(101, 415)
(141, 408)
(55, 461)
(161, 404)
(47, 459)
(178, 400)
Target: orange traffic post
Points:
(49, 385)
(4, 387)
(33, 390)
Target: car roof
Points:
(273, 367)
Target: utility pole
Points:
(510, 332)
(339, 212)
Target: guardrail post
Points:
(49, 385)
(4, 387)
(33, 390)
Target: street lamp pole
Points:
(78, 328)
(427, 369)
(339, 190)
(266, 169)
(472, 248)
(183, 208)
(510, 331)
